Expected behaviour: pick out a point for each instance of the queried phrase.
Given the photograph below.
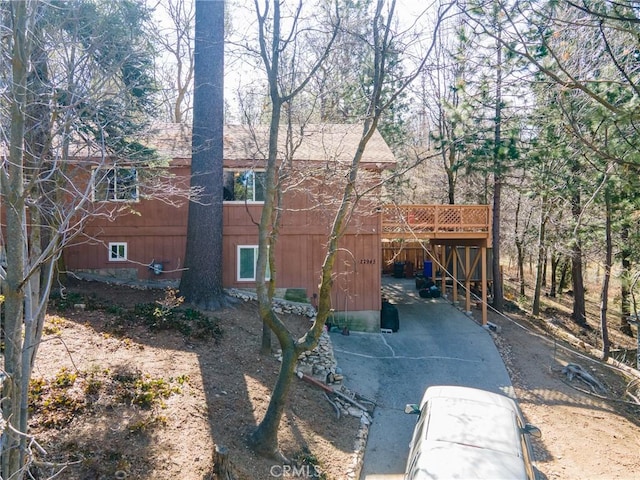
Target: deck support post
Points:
(443, 270)
(454, 271)
(467, 278)
(484, 284)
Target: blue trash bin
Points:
(427, 271)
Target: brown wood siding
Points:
(357, 274)
(300, 251)
(299, 263)
(156, 232)
(141, 252)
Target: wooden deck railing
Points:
(404, 221)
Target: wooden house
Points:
(137, 231)
(145, 242)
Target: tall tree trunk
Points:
(579, 314)
(264, 439)
(604, 296)
(13, 445)
(555, 262)
(541, 256)
(520, 254)
(520, 246)
(625, 276)
(201, 282)
(451, 174)
(579, 311)
(564, 273)
(498, 300)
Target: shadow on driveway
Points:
(436, 344)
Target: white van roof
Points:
(471, 434)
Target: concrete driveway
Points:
(437, 344)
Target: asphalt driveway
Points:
(437, 344)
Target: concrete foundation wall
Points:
(362, 321)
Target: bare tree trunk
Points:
(265, 342)
(264, 439)
(579, 314)
(520, 253)
(451, 174)
(604, 296)
(625, 276)
(16, 240)
(555, 262)
(498, 300)
(564, 270)
(520, 233)
(541, 256)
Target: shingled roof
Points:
(242, 144)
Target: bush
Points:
(65, 301)
(54, 403)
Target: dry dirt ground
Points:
(585, 433)
(126, 400)
(121, 400)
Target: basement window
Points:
(117, 251)
(247, 263)
(244, 185)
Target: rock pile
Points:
(320, 362)
(279, 305)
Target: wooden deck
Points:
(446, 227)
(457, 223)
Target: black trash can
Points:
(398, 270)
(389, 318)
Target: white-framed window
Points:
(117, 251)
(115, 184)
(244, 185)
(247, 261)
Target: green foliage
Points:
(62, 301)
(167, 315)
(147, 423)
(144, 391)
(304, 458)
(53, 325)
(93, 384)
(111, 42)
(65, 379)
(55, 402)
(115, 310)
(296, 295)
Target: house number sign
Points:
(367, 261)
